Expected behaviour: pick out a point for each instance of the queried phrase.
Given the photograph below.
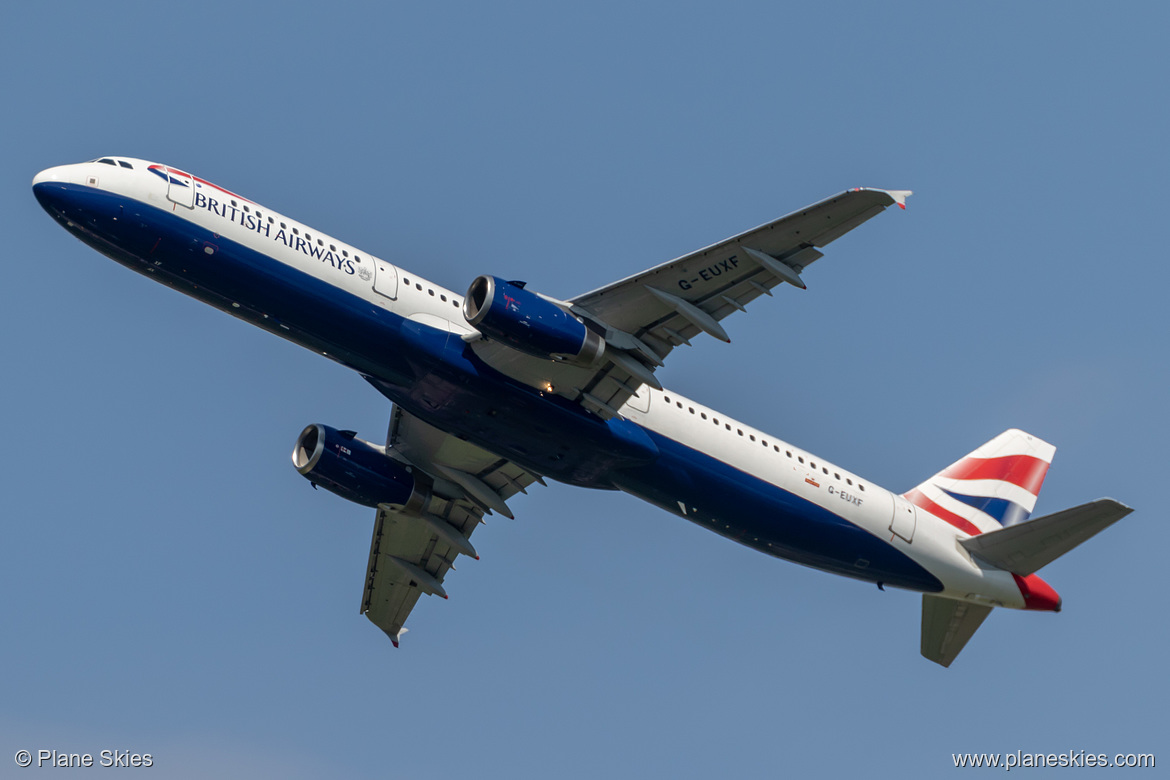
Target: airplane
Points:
(503, 388)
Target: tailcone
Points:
(1038, 594)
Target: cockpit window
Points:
(106, 161)
(125, 164)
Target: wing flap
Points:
(388, 597)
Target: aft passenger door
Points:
(904, 520)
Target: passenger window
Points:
(703, 415)
(320, 242)
(824, 469)
(739, 431)
(727, 426)
(692, 409)
(443, 298)
(801, 459)
(752, 437)
(234, 203)
(666, 398)
(861, 487)
(332, 248)
(418, 286)
(812, 464)
(848, 481)
(678, 404)
(296, 231)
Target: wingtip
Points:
(900, 196)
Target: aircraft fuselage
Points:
(405, 335)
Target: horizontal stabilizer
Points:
(1026, 547)
(947, 625)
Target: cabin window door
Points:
(180, 188)
(904, 519)
(385, 278)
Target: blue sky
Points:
(173, 586)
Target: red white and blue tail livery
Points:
(503, 388)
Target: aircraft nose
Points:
(50, 187)
(49, 175)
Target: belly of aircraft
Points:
(758, 514)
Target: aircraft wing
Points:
(645, 316)
(413, 547)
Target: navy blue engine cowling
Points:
(354, 469)
(507, 312)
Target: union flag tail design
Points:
(993, 487)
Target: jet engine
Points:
(507, 312)
(356, 470)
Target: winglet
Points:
(900, 196)
(395, 638)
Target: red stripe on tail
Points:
(1020, 470)
(918, 499)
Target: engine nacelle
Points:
(357, 470)
(507, 312)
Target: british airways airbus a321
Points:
(502, 387)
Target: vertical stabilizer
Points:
(993, 487)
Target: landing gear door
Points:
(905, 519)
(180, 188)
(385, 278)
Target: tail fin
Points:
(995, 486)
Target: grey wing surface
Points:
(645, 316)
(416, 544)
